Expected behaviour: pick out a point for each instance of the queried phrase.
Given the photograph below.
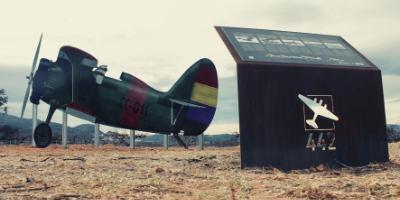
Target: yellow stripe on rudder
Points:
(205, 94)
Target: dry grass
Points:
(119, 173)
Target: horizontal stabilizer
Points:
(186, 103)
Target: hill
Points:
(21, 128)
(15, 128)
(393, 132)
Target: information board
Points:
(271, 46)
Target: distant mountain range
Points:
(17, 128)
(393, 132)
(21, 128)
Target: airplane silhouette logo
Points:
(319, 109)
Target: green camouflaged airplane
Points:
(76, 84)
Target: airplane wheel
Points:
(42, 135)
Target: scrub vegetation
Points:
(110, 172)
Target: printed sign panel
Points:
(291, 47)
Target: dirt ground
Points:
(109, 172)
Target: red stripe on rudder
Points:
(137, 94)
(208, 76)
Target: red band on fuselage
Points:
(133, 104)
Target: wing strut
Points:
(173, 121)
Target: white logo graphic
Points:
(319, 109)
(246, 38)
(321, 131)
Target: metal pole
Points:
(166, 137)
(34, 122)
(132, 139)
(172, 114)
(96, 135)
(64, 129)
(166, 141)
(200, 140)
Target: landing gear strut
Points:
(43, 133)
(180, 141)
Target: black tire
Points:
(42, 135)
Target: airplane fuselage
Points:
(131, 105)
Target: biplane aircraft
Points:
(76, 84)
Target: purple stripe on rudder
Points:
(201, 115)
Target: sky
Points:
(158, 40)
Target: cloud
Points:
(394, 100)
(284, 13)
(393, 112)
(386, 56)
(13, 80)
(157, 41)
(391, 86)
(218, 128)
(227, 108)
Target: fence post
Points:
(96, 135)
(132, 139)
(200, 140)
(166, 141)
(64, 129)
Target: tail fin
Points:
(312, 123)
(198, 89)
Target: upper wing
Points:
(328, 114)
(309, 103)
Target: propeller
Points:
(30, 77)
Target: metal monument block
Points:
(306, 99)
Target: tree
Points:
(3, 97)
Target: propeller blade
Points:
(36, 55)
(28, 89)
(30, 77)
